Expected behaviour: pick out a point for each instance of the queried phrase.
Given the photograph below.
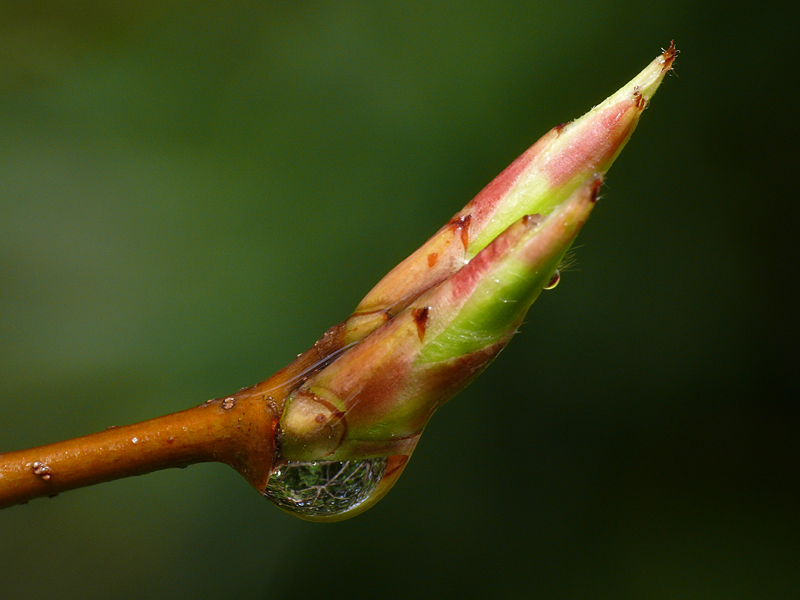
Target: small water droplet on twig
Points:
(42, 470)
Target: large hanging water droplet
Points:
(324, 489)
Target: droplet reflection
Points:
(324, 489)
(553, 281)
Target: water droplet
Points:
(42, 470)
(553, 281)
(324, 488)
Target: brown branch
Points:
(238, 430)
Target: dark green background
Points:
(190, 193)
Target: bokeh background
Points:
(191, 193)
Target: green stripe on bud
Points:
(376, 399)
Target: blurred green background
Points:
(191, 193)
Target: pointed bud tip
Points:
(647, 82)
(668, 57)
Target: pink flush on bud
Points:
(537, 181)
(564, 158)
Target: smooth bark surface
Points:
(237, 430)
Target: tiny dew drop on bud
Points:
(553, 281)
(320, 489)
